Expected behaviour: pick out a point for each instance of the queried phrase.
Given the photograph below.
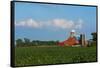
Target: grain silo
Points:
(82, 40)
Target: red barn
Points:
(71, 41)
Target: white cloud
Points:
(55, 23)
(63, 24)
(29, 23)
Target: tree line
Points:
(27, 42)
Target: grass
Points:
(53, 55)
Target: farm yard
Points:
(41, 55)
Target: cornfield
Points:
(54, 55)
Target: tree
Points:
(27, 41)
(19, 42)
(94, 36)
(34, 43)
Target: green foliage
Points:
(94, 43)
(94, 36)
(27, 42)
(19, 42)
(37, 55)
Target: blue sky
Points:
(53, 22)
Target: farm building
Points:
(73, 40)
